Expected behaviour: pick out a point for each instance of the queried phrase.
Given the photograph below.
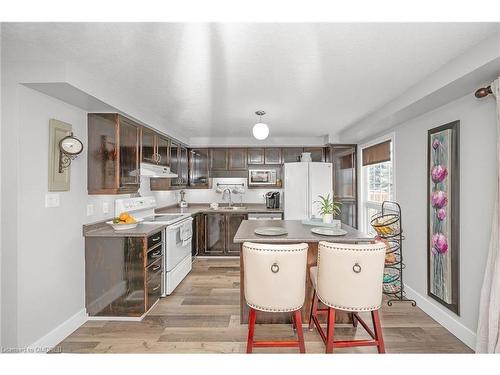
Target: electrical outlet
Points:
(105, 207)
(52, 200)
(90, 209)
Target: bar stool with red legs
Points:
(348, 277)
(275, 279)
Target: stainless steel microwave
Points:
(261, 177)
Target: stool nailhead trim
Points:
(273, 310)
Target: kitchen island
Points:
(297, 233)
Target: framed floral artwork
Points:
(443, 247)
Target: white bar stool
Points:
(275, 280)
(348, 277)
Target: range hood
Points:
(153, 170)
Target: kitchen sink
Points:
(233, 208)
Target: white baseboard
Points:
(431, 308)
(63, 330)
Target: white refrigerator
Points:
(304, 182)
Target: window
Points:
(377, 179)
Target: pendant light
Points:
(260, 130)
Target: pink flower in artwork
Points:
(440, 243)
(439, 199)
(435, 144)
(441, 214)
(438, 173)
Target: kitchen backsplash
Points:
(165, 198)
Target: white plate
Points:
(123, 226)
(270, 231)
(324, 231)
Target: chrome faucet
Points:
(224, 194)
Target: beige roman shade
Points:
(378, 153)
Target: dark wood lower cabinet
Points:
(122, 275)
(216, 232)
(233, 222)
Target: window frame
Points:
(364, 204)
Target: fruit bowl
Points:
(124, 226)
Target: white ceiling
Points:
(207, 80)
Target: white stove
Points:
(164, 218)
(177, 236)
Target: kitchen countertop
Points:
(101, 229)
(196, 208)
(297, 232)
(142, 230)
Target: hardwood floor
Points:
(202, 316)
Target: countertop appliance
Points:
(304, 182)
(177, 238)
(273, 199)
(261, 177)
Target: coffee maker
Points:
(273, 199)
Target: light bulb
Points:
(260, 131)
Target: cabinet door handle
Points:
(156, 254)
(155, 268)
(156, 288)
(158, 156)
(156, 238)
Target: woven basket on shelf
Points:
(387, 225)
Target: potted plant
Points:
(328, 208)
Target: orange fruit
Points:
(124, 216)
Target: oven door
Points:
(264, 177)
(177, 243)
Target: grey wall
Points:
(42, 258)
(477, 186)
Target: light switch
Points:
(105, 207)
(90, 209)
(51, 200)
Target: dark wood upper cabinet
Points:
(174, 158)
(179, 164)
(154, 147)
(183, 167)
(148, 145)
(328, 154)
(237, 158)
(292, 154)
(162, 150)
(272, 156)
(113, 154)
(129, 153)
(255, 155)
(317, 153)
(199, 168)
(218, 159)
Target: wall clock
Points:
(69, 148)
